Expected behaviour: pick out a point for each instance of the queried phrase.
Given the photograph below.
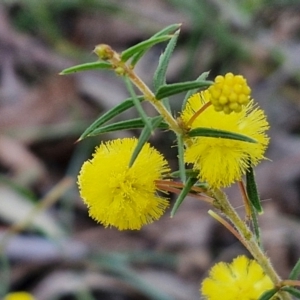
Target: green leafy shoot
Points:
(176, 88)
(202, 77)
(161, 70)
(144, 137)
(188, 185)
(295, 272)
(181, 162)
(218, 133)
(87, 67)
(268, 294)
(136, 102)
(252, 191)
(136, 123)
(293, 291)
(136, 57)
(165, 31)
(115, 111)
(188, 172)
(143, 47)
(255, 224)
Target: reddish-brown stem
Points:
(245, 199)
(228, 226)
(172, 189)
(197, 113)
(179, 185)
(289, 282)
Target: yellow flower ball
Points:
(122, 196)
(229, 93)
(243, 279)
(19, 296)
(221, 161)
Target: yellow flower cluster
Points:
(126, 197)
(221, 161)
(19, 296)
(119, 195)
(243, 279)
(229, 93)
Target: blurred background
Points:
(48, 244)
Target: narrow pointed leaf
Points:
(252, 190)
(160, 73)
(122, 125)
(202, 185)
(296, 271)
(218, 133)
(181, 164)
(136, 57)
(202, 77)
(293, 291)
(176, 88)
(144, 137)
(126, 104)
(87, 67)
(169, 29)
(255, 224)
(189, 184)
(268, 294)
(145, 45)
(136, 102)
(165, 31)
(188, 172)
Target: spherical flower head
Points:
(243, 279)
(119, 195)
(229, 93)
(19, 296)
(221, 161)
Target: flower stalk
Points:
(105, 52)
(222, 203)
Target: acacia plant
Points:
(220, 136)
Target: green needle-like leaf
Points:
(167, 30)
(126, 104)
(136, 102)
(164, 32)
(255, 224)
(188, 172)
(181, 164)
(145, 45)
(188, 185)
(122, 125)
(295, 272)
(86, 67)
(252, 190)
(144, 137)
(218, 133)
(268, 294)
(160, 73)
(176, 88)
(293, 291)
(202, 77)
(136, 57)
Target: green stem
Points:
(107, 53)
(222, 203)
(135, 79)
